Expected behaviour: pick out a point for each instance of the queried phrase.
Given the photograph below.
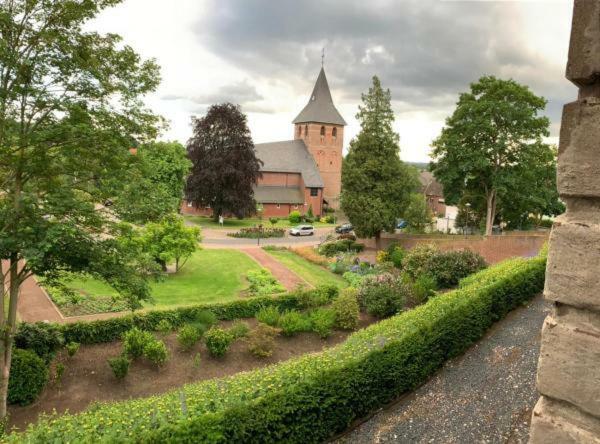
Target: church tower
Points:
(321, 127)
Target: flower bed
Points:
(255, 233)
(311, 398)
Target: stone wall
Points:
(493, 248)
(569, 364)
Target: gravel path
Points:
(484, 396)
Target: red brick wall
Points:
(492, 248)
(327, 152)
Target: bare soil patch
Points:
(88, 378)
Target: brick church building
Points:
(306, 171)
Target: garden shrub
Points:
(343, 263)
(72, 348)
(256, 232)
(156, 352)
(164, 326)
(383, 295)
(313, 397)
(269, 316)
(330, 249)
(382, 257)
(322, 321)
(263, 283)
(218, 341)
(119, 366)
(416, 259)
(448, 267)
(322, 295)
(239, 329)
(28, 377)
(422, 289)
(134, 342)
(188, 336)
(292, 322)
(397, 254)
(346, 309)
(273, 220)
(108, 330)
(261, 340)
(42, 338)
(294, 217)
(354, 279)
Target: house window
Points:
(305, 130)
(314, 192)
(322, 133)
(278, 205)
(296, 207)
(189, 204)
(299, 131)
(334, 133)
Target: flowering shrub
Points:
(313, 397)
(156, 352)
(415, 260)
(218, 341)
(256, 232)
(346, 309)
(188, 336)
(383, 295)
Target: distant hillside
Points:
(419, 165)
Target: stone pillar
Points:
(569, 366)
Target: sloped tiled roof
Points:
(290, 156)
(320, 107)
(429, 185)
(267, 194)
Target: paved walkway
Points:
(484, 396)
(284, 275)
(34, 305)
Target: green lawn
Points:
(208, 276)
(232, 223)
(313, 273)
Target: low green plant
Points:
(42, 338)
(321, 295)
(239, 329)
(269, 316)
(59, 370)
(330, 249)
(72, 348)
(218, 341)
(28, 377)
(294, 217)
(322, 321)
(346, 309)
(197, 360)
(396, 255)
(292, 322)
(263, 283)
(423, 288)
(134, 342)
(261, 340)
(188, 336)
(119, 366)
(383, 295)
(273, 220)
(164, 327)
(156, 352)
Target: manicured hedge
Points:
(108, 330)
(311, 398)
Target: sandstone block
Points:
(584, 51)
(573, 269)
(570, 352)
(579, 149)
(557, 422)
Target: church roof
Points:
(269, 194)
(290, 156)
(320, 107)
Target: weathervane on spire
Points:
(322, 57)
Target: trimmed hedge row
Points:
(108, 330)
(315, 396)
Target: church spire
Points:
(320, 107)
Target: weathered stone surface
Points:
(584, 51)
(570, 352)
(579, 149)
(573, 270)
(558, 422)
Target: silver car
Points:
(302, 230)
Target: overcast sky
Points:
(265, 55)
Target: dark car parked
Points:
(344, 229)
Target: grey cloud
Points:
(239, 93)
(425, 51)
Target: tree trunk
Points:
(163, 264)
(378, 241)
(176, 264)
(490, 213)
(7, 336)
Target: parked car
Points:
(401, 224)
(302, 230)
(344, 228)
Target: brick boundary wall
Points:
(493, 248)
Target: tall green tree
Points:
(70, 105)
(376, 184)
(417, 215)
(154, 184)
(494, 135)
(224, 163)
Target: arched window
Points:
(305, 130)
(334, 133)
(299, 131)
(322, 134)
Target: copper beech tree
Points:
(70, 107)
